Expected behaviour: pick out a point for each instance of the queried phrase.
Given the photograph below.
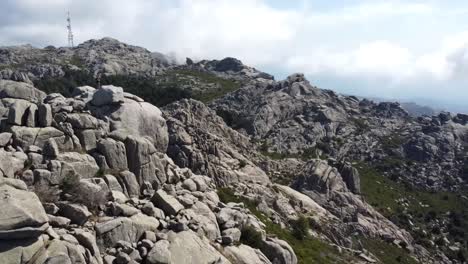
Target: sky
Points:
(407, 50)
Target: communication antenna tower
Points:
(70, 33)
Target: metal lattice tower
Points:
(70, 32)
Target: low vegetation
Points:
(417, 210)
(308, 249)
(387, 253)
(160, 90)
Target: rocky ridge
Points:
(102, 176)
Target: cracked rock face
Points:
(110, 190)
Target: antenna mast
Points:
(70, 33)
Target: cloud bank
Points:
(394, 49)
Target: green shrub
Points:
(300, 228)
(251, 237)
(69, 182)
(47, 193)
(242, 163)
(386, 252)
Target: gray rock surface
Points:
(166, 202)
(108, 95)
(22, 213)
(20, 90)
(187, 247)
(114, 152)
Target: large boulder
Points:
(114, 152)
(318, 176)
(18, 112)
(207, 220)
(11, 163)
(129, 183)
(166, 202)
(20, 90)
(108, 95)
(160, 253)
(128, 229)
(82, 121)
(244, 254)
(138, 119)
(58, 251)
(77, 213)
(351, 177)
(144, 160)
(44, 115)
(5, 139)
(188, 247)
(82, 164)
(278, 251)
(21, 251)
(27, 136)
(22, 213)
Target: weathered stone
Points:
(5, 139)
(81, 121)
(129, 183)
(58, 221)
(83, 164)
(31, 116)
(144, 161)
(318, 175)
(160, 253)
(113, 183)
(88, 240)
(22, 213)
(11, 163)
(278, 251)
(17, 114)
(244, 254)
(151, 210)
(42, 176)
(50, 148)
(87, 138)
(107, 95)
(187, 247)
(114, 152)
(234, 233)
(77, 213)
(44, 115)
(50, 208)
(127, 229)
(20, 251)
(139, 120)
(166, 202)
(20, 90)
(26, 136)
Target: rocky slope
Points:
(268, 172)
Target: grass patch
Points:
(393, 141)
(222, 86)
(160, 90)
(77, 61)
(361, 125)
(387, 253)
